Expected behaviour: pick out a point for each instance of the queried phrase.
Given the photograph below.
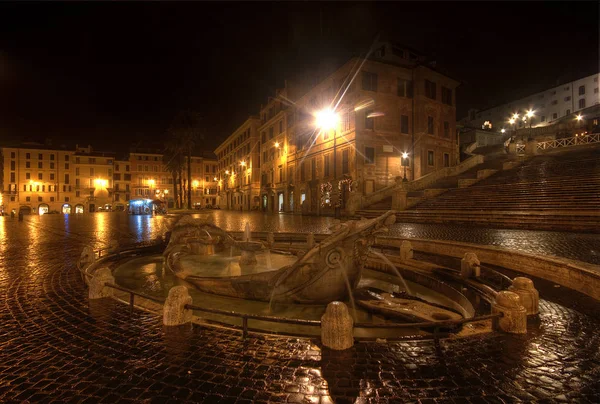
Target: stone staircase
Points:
(491, 165)
(558, 191)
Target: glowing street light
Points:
(195, 183)
(327, 119)
(404, 164)
(243, 163)
(277, 145)
(530, 115)
(515, 116)
(579, 117)
(226, 172)
(503, 130)
(215, 178)
(100, 183)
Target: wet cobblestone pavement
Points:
(578, 246)
(55, 347)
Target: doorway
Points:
(280, 197)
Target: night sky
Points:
(111, 74)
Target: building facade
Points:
(239, 168)
(548, 106)
(380, 108)
(37, 179)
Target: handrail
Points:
(569, 141)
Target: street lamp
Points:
(530, 115)
(404, 164)
(327, 120)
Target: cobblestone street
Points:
(55, 347)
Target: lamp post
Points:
(327, 120)
(404, 164)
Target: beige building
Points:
(390, 104)
(151, 180)
(239, 168)
(37, 179)
(122, 184)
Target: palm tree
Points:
(174, 164)
(185, 132)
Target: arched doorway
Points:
(66, 209)
(79, 208)
(43, 208)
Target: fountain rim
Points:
(154, 248)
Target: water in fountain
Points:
(208, 234)
(349, 287)
(389, 263)
(247, 232)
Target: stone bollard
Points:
(406, 250)
(310, 240)
(514, 319)
(174, 311)
(337, 327)
(470, 266)
(530, 297)
(87, 257)
(97, 290)
(270, 238)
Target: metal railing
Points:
(245, 317)
(569, 141)
(520, 148)
(132, 294)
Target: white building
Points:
(547, 106)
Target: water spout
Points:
(350, 295)
(268, 257)
(208, 234)
(247, 232)
(389, 263)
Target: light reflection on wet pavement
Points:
(55, 347)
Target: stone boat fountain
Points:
(315, 275)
